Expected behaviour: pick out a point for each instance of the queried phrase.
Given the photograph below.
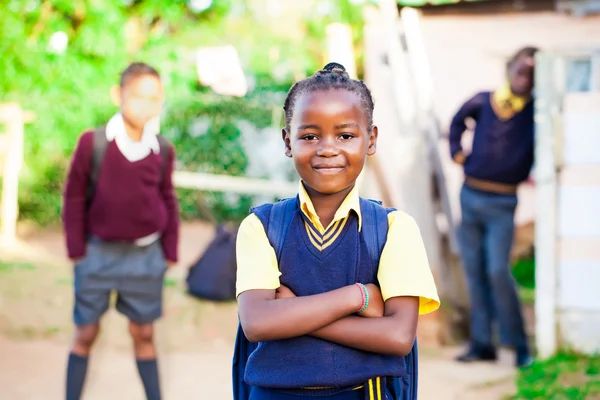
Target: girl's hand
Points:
(376, 306)
(284, 292)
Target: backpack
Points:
(100, 143)
(212, 277)
(375, 227)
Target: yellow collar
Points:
(506, 104)
(351, 202)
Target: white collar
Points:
(131, 150)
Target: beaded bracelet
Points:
(365, 297)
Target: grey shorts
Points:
(135, 273)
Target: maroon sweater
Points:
(129, 201)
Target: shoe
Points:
(523, 358)
(481, 354)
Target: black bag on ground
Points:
(212, 277)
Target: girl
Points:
(327, 319)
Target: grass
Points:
(527, 295)
(524, 272)
(565, 376)
(8, 267)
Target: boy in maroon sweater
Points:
(123, 234)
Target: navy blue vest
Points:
(311, 264)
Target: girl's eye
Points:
(309, 137)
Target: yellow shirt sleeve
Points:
(256, 260)
(403, 266)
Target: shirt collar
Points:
(115, 128)
(505, 98)
(351, 202)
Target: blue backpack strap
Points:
(242, 350)
(374, 231)
(374, 227)
(280, 219)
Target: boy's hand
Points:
(460, 158)
(284, 292)
(375, 308)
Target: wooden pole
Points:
(14, 119)
(550, 72)
(235, 184)
(403, 149)
(340, 48)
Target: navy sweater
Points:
(502, 150)
(306, 361)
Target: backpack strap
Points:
(374, 227)
(100, 143)
(164, 147)
(280, 220)
(99, 148)
(374, 231)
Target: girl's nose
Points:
(327, 148)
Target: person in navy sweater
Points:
(122, 238)
(330, 324)
(501, 158)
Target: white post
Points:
(340, 48)
(14, 120)
(549, 77)
(428, 121)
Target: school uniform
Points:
(501, 159)
(122, 237)
(317, 259)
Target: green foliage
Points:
(565, 376)
(524, 272)
(69, 92)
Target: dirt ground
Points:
(194, 338)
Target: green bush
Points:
(70, 92)
(524, 272)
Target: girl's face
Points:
(329, 139)
(141, 100)
(520, 75)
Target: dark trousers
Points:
(485, 238)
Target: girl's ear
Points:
(115, 95)
(286, 140)
(373, 141)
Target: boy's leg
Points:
(85, 335)
(145, 354)
(471, 237)
(92, 292)
(140, 299)
(504, 288)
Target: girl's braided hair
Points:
(333, 76)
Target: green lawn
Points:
(524, 272)
(566, 376)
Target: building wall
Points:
(467, 54)
(578, 224)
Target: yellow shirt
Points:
(403, 266)
(506, 104)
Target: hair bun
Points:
(334, 67)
